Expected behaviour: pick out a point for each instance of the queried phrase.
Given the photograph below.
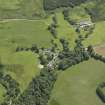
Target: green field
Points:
(98, 36)
(77, 85)
(24, 33)
(21, 9)
(65, 29)
(22, 66)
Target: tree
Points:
(34, 48)
(54, 18)
(66, 14)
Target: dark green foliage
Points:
(91, 50)
(34, 48)
(54, 18)
(66, 14)
(39, 89)
(65, 44)
(53, 4)
(52, 27)
(100, 92)
(95, 55)
(69, 57)
(97, 12)
(11, 86)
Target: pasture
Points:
(77, 85)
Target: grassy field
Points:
(22, 66)
(21, 9)
(78, 14)
(65, 29)
(98, 36)
(9, 4)
(77, 85)
(24, 33)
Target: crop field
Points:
(77, 85)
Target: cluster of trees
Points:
(53, 4)
(72, 57)
(52, 27)
(97, 11)
(95, 55)
(34, 48)
(100, 91)
(43, 59)
(39, 89)
(66, 14)
(11, 86)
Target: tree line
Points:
(53, 4)
(11, 86)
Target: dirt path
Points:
(9, 20)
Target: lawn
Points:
(77, 85)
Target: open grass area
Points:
(65, 29)
(22, 66)
(24, 33)
(77, 85)
(21, 9)
(9, 4)
(98, 36)
(78, 14)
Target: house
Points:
(84, 24)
